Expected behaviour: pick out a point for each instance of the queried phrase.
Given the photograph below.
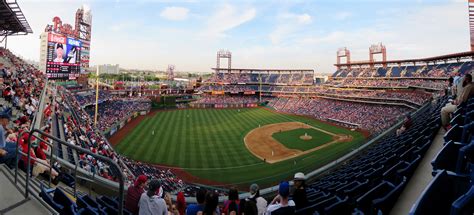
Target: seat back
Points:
(340, 207)
(364, 202)
(44, 194)
(385, 203)
(447, 157)
(464, 204)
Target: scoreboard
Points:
(63, 60)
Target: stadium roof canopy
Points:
(436, 59)
(12, 20)
(262, 70)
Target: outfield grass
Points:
(291, 139)
(208, 143)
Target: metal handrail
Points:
(77, 148)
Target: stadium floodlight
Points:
(224, 54)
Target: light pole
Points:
(96, 96)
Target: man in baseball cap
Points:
(280, 204)
(7, 150)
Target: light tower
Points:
(170, 72)
(343, 53)
(224, 54)
(378, 49)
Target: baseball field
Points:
(235, 146)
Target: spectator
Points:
(170, 206)
(134, 193)
(467, 92)
(181, 203)
(406, 125)
(150, 203)
(193, 209)
(280, 205)
(299, 193)
(7, 154)
(450, 89)
(210, 207)
(255, 204)
(232, 205)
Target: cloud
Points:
(288, 24)
(175, 13)
(227, 17)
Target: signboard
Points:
(63, 57)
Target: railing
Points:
(77, 148)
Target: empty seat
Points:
(364, 202)
(44, 194)
(453, 134)
(61, 198)
(385, 203)
(86, 201)
(408, 170)
(440, 193)
(464, 204)
(447, 157)
(340, 207)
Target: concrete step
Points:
(12, 200)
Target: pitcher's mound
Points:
(306, 137)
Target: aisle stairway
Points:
(12, 200)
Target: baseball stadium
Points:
(80, 135)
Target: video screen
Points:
(63, 57)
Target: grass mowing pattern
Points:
(208, 143)
(291, 139)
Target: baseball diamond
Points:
(210, 144)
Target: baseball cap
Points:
(299, 176)
(6, 113)
(284, 189)
(140, 180)
(254, 188)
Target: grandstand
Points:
(384, 151)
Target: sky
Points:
(292, 34)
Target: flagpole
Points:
(96, 96)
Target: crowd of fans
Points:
(295, 78)
(114, 111)
(79, 130)
(146, 197)
(439, 71)
(372, 117)
(88, 97)
(417, 97)
(347, 82)
(223, 99)
(22, 86)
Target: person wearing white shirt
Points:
(281, 205)
(150, 203)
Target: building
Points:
(109, 69)
(43, 51)
(84, 28)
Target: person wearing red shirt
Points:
(133, 194)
